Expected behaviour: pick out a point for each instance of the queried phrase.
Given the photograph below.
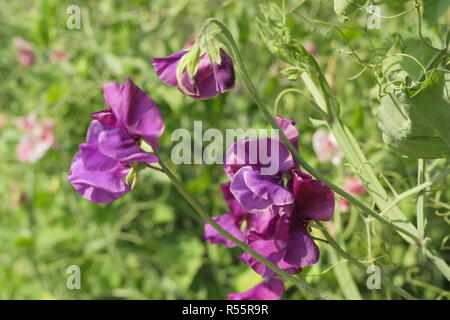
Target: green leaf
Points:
(433, 10)
(407, 60)
(344, 8)
(432, 105)
(406, 130)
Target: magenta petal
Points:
(98, 186)
(269, 250)
(270, 289)
(289, 129)
(314, 200)
(233, 204)
(248, 200)
(166, 68)
(224, 73)
(106, 117)
(117, 144)
(230, 223)
(93, 158)
(210, 79)
(258, 155)
(266, 188)
(263, 223)
(301, 251)
(135, 111)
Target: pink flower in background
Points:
(24, 52)
(326, 148)
(270, 289)
(58, 55)
(37, 138)
(310, 47)
(355, 188)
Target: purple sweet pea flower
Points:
(291, 247)
(210, 79)
(270, 289)
(256, 168)
(99, 170)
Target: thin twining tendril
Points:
(293, 90)
(384, 17)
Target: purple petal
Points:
(269, 250)
(166, 68)
(266, 188)
(289, 129)
(248, 200)
(98, 186)
(301, 251)
(210, 80)
(233, 204)
(224, 73)
(135, 111)
(267, 155)
(270, 289)
(314, 200)
(230, 223)
(106, 117)
(291, 132)
(117, 144)
(93, 158)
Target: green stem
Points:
(420, 199)
(347, 256)
(202, 212)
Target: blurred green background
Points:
(148, 245)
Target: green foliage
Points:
(148, 245)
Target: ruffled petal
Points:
(98, 186)
(314, 200)
(117, 144)
(166, 68)
(230, 223)
(135, 111)
(267, 155)
(270, 289)
(269, 250)
(266, 188)
(248, 200)
(301, 251)
(232, 202)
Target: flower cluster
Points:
(113, 145)
(271, 203)
(276, 208)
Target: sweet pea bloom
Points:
(291, 247)
(210, 79)
(270, 289)
(113, 144)
(326, 148)
(37, 138)
(24, 52)
(256, 169)
(356, 188)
